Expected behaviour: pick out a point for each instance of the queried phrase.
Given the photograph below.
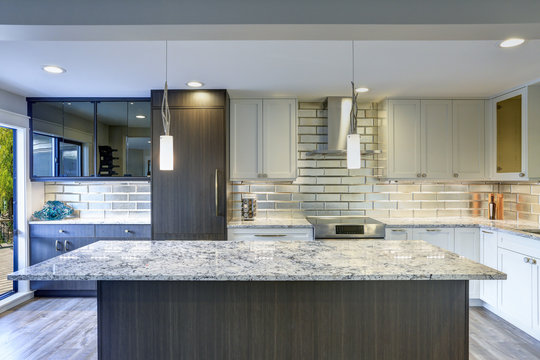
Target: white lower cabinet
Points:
(398, 234)
(441, 237)
(268, 233)
(467, 244)
(489, 257)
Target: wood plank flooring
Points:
(65, 328)
(6, 267)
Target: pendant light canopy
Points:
(354, 158)
(166, 150)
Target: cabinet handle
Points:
(424, 175)
(270, 235)
(526, 260)
(58, 245)
(66, 243)
(61, 231)
(521, 174)
(418, 175)
(487, 232)
(456, 175)
(433, 230)
(216, 191)
(127, 231)
(398, 230)
(532, 261)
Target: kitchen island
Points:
(274, 300)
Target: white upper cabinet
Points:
(404, 144)
(433, 139)
(436, 120)
(515, 135)
(468, 139)
(263, 139)
(246, 135)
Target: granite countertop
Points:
(259, 261)
(270, 223)
(511, 226)
(99, 221)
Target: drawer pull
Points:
(58, 245)
(533, 261)
(61, 231)
(433, 230)
(66, 245)
(127, 231)
(487, 232)
(399, 230)
(270, 235)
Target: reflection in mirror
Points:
(138, 140)
(123, 136)
(509, 135)
(77, 148)
(48, 129)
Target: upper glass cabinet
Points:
(509, 142)
(90, 139)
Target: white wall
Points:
(12, 102)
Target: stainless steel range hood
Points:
(339, 124)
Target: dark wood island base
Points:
(259, 320)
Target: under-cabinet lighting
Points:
(140, 116)
(166, 152)
(53, 69)
(361, 89)
(511, 42)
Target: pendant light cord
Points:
(165, 111)
(354, 105)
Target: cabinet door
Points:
(489, 257)
(515, 300)
(246, 139)
(510, 135)
(468, 144)
(279, 139)
(436, 139)
(398, 234)
(42, 249)
(404, 149)
(441, 237)
(467, 244)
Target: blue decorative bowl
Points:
(54, 210)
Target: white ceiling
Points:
(307, 69)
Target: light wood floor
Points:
(65, 328)
(6, 267)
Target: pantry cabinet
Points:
(433, 139)
(263, 139)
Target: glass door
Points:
(7, 207)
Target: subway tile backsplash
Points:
(103, 199)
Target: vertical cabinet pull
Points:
(66, 245)
(216, 191)
(58, 245)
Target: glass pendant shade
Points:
(354, 158)
(166, 152)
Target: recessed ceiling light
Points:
(53, 69)
(195, 84)
(130, 103)
(140, 116)
(511, 42)
(361, 89)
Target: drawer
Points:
(263, 233)
(119, 231)
(519, 244)
(61, 231)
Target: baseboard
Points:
(14, 300)
(476, 302)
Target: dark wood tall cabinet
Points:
(190, 202)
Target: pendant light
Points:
(166, 150)
(354, 158)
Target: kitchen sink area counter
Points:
(96, 221)
(270, 223)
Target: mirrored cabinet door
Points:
(63, 139)
(123, 138)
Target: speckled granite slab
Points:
(510, 226)
(270, 223)
(258, 261)
(97, 221)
